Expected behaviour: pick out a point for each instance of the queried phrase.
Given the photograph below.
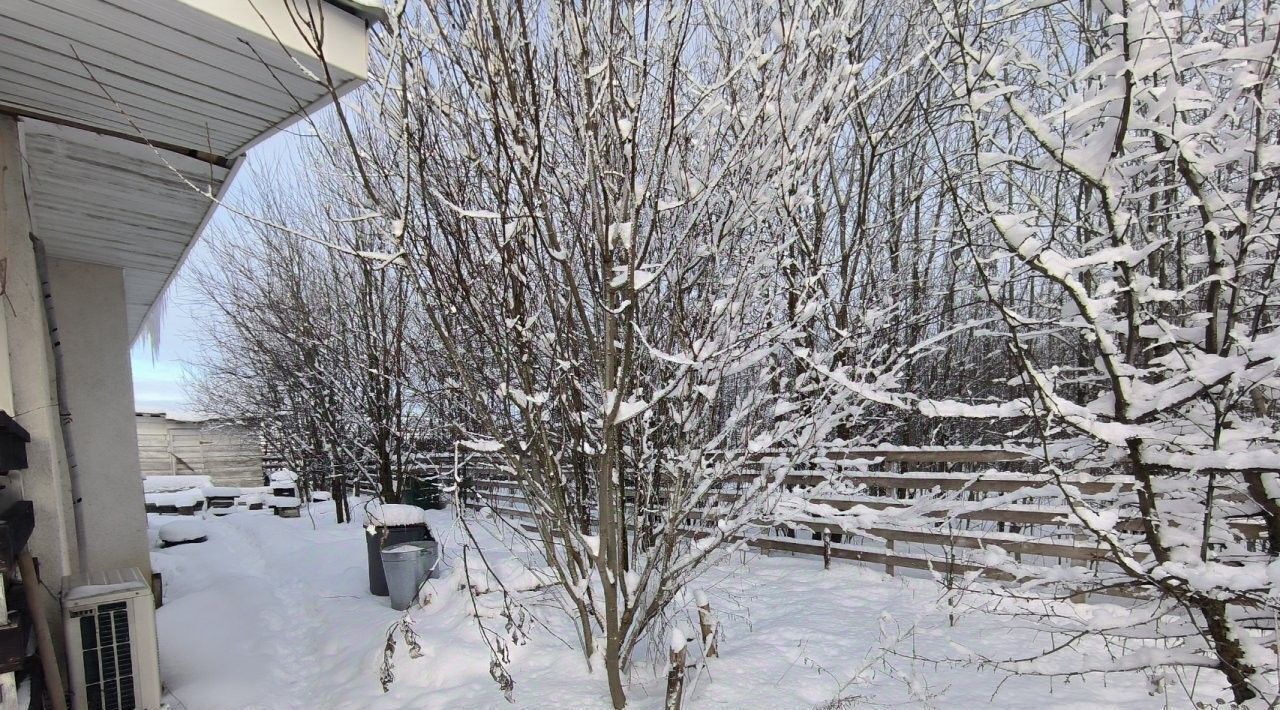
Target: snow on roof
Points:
(179, 416)
(182, 499)
(171, 484)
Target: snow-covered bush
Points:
(1118, 195)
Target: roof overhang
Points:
(137, 112)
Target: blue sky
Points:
(157, 382)
(158, 378)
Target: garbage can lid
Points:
(394, 514)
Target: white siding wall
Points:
(89, 307)
(28, 389)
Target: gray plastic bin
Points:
(402, 565)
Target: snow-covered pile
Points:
(180, 531)
(512, 574)
(220, 492)
(171, 484)
(282, 502)
(320, 496)
(283, 477)
(392, 515)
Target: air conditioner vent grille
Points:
(108, 658)
(112, 656)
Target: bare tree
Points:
(649, 244)
(599, 204)
(311, 347)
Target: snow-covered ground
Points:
(275, 613)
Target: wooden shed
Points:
(229, 453)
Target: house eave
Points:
(372, 13)
(126, 102)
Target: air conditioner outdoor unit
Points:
(113, 659)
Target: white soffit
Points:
(105, 200)
(208, 75)
(97, 80)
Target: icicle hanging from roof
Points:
(154, 323)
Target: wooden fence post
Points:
(44, 638)
(707, 624)
(675, 676)
(335, 491)
(826, 549)
(888, 566)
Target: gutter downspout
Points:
(64, 412)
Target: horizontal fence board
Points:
(920, 454)
(1033, 522)
(1003, 482)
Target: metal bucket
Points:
(428, 553)
(402, 565)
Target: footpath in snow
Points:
(274, 613)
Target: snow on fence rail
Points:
(1030, 520)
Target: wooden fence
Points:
(982, 499)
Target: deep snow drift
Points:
(273, 613)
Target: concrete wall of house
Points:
(231, 455)
(27, 384)
(89, 310)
